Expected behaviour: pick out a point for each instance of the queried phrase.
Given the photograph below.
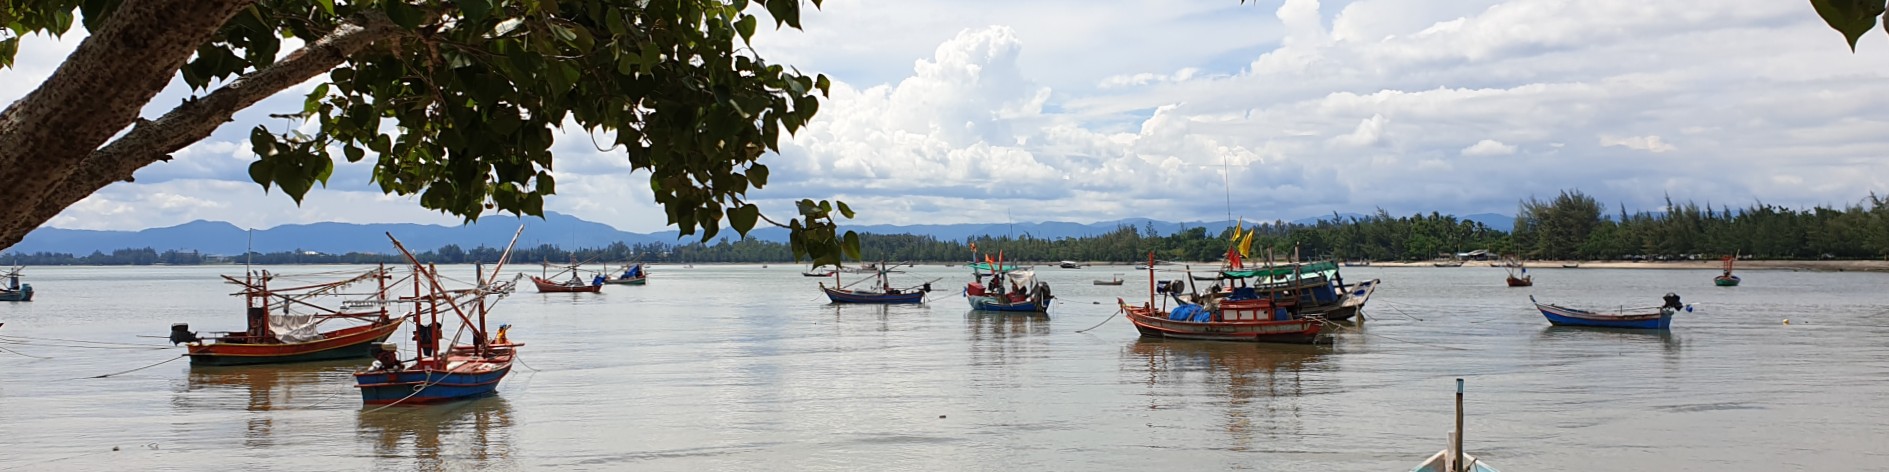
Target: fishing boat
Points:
(1241, 315)
(1447, 263)
(1069, 265)
(1723, 280)
(818, 272)
(1658, 317)
(1571, 265)
(882, 291)
(458, 371)
(1452, 458)
(16, 291)
(1518, 274)
(1317, 288)
(633, 274)
(285, 323)
(1017, 291)
(1358, 263)
(1117, 280)
(547, 282)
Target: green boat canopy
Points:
(1324, 268)
(986, 267)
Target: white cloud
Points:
(1637, 143)
(1488, 147)
(942, 113)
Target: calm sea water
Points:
(746, 368)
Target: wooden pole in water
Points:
(1458, 437)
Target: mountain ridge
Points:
(558, 229)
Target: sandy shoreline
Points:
(1823, 266)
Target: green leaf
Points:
(845, 210)
(757, 175)
(1850, 17)
(475, 10)
(327, 6)
(743, 217)
(745, 26)
(851, 245)
(262, 172)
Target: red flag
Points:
(1233, 259)
(973, 247)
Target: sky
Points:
(977, 111)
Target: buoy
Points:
(1787, 321)
(941, 417)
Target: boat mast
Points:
(478, 277)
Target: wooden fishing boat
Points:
(632, 275)
(1727, 279)
(1317, 288)
(1254, 321)
(1571, 265)
(882, 291)
(1447, 263)
(1518, 273)
(16, 291)
(1452, 458)
(1017, 291)
(1660, 317)
(1114, 281)
(574, 285)
(817, 272)
(461, 371)
(284, 324)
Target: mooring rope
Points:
(30, 340)
(173, 359)
(1118, 312)
(23, 354)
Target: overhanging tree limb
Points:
(153, 141)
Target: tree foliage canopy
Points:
(454, 100)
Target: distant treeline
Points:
(1569, 226)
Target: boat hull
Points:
(1155, 324)
(1440, 461)
(24, 294)
(848, 296)
(986, 303)
(349, 343)
(1563, 316)
(470, 377)
(1108, 282)
(1725, 281)
(546, 286)
(1521, 281)
(628, 281)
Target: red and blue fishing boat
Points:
(632, 275)
(880, 292)
(1022, 293)
(285, 324)
(1241, 316)
(459, 372)
(15, 291)
(1659, 317)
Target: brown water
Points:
(745, 368)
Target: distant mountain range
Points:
(221, 238)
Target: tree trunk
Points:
(83, 167)
(97, 92)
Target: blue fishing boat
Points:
(1660, 317)
(16, 291)
(1023, 293)
(459, 372)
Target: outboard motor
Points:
(180, 333)
(1672, 302)
(926, 288)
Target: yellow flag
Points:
(1246, 243)
(1238, 229)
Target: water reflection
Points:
(1262, 387)
(265, 388)
(996, 325)
(472, 434)
(1645, 338)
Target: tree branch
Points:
(95, 93)
(152, 141)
